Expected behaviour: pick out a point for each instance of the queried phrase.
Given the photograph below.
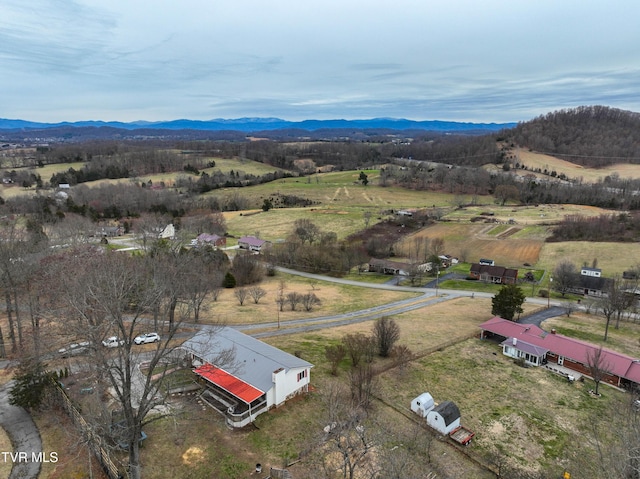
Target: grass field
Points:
(612, 258)
(523, 215)
(538, 160)
(334, 299)
(341, 189)
(531, 415)
(472, 241)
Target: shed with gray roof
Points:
(444, 418)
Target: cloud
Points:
(494, 61)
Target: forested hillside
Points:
(593, 136)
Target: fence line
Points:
(95, 442)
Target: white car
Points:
(74, 349)
(112, 342)
(147, 338)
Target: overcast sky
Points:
(472, 60)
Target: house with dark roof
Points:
(493, 274)
(539, 347)
(590, 282)
(251, 243)
(258, 378)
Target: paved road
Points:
(24, 436)
(539, 316)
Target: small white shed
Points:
(444, 417)
(422, 404)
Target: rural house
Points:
(590, 282)
(214, 240)
(251, 243)
(385, 266)
(260, 377)
(538, 347)
(168, 233)
(493, 274)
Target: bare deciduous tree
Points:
(108, 295)
(257, 293)
(565, 276)
(402, 356)
(293, 299)
(598, 365)
(356, 345)
(334, 355)
(241, 295)
(386, 333)
(310, 300)
(361, 384)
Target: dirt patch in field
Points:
(509, 232)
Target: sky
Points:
(453, 60)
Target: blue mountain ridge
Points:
(263, 124)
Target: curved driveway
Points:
(24, 436)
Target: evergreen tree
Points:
(229, 280)
(508, 302)
(31, 383)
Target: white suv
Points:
(147, 338)
(112, 342)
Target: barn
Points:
(444, 418)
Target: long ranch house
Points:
(541, 348)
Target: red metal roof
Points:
(244, 391)
(616, 363)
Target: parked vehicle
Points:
(147, 338)
(112, 342)
(74, 349)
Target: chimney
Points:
(515, 341)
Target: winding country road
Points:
(428, 298)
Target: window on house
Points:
(302, 375)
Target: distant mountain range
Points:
(248, 125)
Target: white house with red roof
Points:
(243, 377)
(538, 347)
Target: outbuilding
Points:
(444, 418)
(422, 404)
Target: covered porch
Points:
(518, 349)
(235, 399)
